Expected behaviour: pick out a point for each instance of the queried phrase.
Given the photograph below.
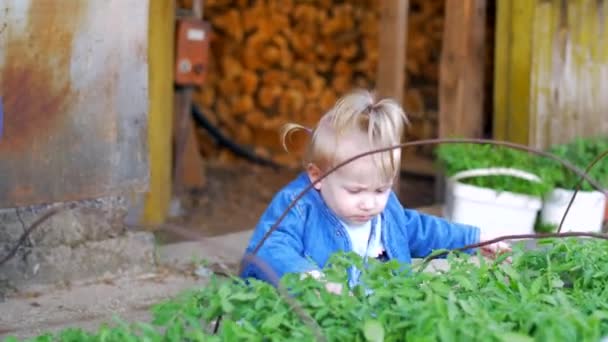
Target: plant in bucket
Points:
(589, 209)
(491, 187)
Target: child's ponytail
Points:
(288, 129)
(383, 121)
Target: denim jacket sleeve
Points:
(283, 251)
(427, 233)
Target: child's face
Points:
(357, 191)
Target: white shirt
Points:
(359, 236)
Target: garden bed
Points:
(557, 291)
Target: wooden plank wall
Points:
(569, 80)
(551, 72)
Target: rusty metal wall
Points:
(74, 87)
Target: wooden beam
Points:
(461, 70)
(160, 59)
(392, 44)
(512, 70)
(417, 164)
(188, 163)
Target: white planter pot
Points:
(496, 213)
(585, 215)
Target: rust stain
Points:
(35, 78)
(21, 191)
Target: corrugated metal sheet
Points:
(73, 81)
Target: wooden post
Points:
(461, 70)
(392, 43)
(188, 164)
(188, 168)
(512, 70)
(160, 52)
(461, 74)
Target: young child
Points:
(353, 208)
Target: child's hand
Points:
(335, 288)
(331, 287)
(495, 249)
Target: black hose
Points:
(243, 152)
(224, 141)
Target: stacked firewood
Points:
(276, 61)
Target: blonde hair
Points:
(383, 121)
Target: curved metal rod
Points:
(268, 271)
(30, 229)
(304, 316)
(522, 237)
(438, 141)
(578, 187)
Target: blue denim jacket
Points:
(311, 231)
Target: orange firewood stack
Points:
(275, 61)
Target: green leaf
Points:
(440, 288)
(322, 313)
(228, 331)
(272, 322)
(515, 337)
(537, 285)
(444, 331)
(165, 312)
(150, 333)
(73, 334)
(601, 315)
(557, 283)
(500, 259)
(175, 331)
(373, 331)
(243, 296)
(464, 282)
(227, 307)
(224, 291)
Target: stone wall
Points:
(86, 240)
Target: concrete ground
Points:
(86, 305)
(34, 311)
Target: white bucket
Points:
(497, 213)
(585, 215)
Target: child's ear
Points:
(314, 173)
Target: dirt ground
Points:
(89, 303)
(87, 306)
(236, 195)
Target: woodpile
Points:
(275, 61)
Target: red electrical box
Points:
(192, 49)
